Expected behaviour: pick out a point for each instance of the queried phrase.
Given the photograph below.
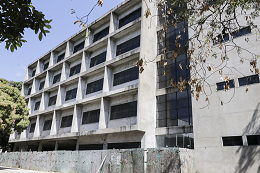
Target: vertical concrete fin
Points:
(64, 71)
(76, 118)
(47, 80)
(104, 110)
(42, 105)
(30, 105)
(81, 89)
(69, 49)
(26, 77)
(60, 96)
(107, 79)
(89, 37)
(55, 122)
(83, 63)
(37, 127)
(111, 49)
(53, 58)
(38, 67)
(34, 86)
(23, 90)
(113, 23)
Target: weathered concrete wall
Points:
(126, 161)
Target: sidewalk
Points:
(16, 170)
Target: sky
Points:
(13, 65)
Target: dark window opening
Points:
(29, 91)
(41, 85)
(91, 147)
(46, 65)
(173, 71)
(98, 59)
(32, 128)
(129, 18)
(47, 125)
(232, 141)
(124, 110)
(242, 32)
(37, 105)
(48, 147)
(52, 100)
(128, 145)
(95, 86)
(32, 148)
(226, 85)
(101, 34)
(75, 70)
(69, 145)
(71, 94)
(79, 47)
(248, 80)
(174, 109)
(66, 121)
(126, 76)
(56, 78)
(128, 45)
(61, 57)
(33, 73)
(91, 117)
(253, 140)
(219, 39)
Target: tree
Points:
(15, 16)
(18, 85)
(13, 113)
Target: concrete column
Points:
(23, 89)
(83, 62)
(77, 145)
(53, 58)
(89, 37)
(56, 145)
(107, 79)
(40, 147)
(26, 75)
(60, 95)
(34, 84)
(44, 101)
(81, 89)
(104, 112)
(111, 49)
(38, 68)
(113, 23)
(76, 121)
(47, 80)
(55, 122)
(65, 71)
(69, 49)
(30, 105)
(23, 134)
(37, 131)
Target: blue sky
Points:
(13, 65)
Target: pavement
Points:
(16, 170)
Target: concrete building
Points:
(87, 93)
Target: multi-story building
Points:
(87, 93)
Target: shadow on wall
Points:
(250, 155)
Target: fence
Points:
(165, 160)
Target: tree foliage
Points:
(18, 85)
(13, 113)
(15, 16)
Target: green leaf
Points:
(40, 36)
(12, 48)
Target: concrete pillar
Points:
(34, 86)
(44, 101)
(60, 95)
(81, 89)
(76, 121)
(111, 49)
(107, 79)
(40, 147)
(24, 88)
(69, 49)
(104, 112)
(47, 80)
(56, 145)
(55, 122)
(23, 134)
(26, 74)
(84, 62)
(65, 71)
(113, 23)
(53, 58)
(89, 37)
(38, 68)
(30, 105)
(77, 145)
(37, 131)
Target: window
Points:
(126, 76)
(242, 32)
(95, 86)
(56, 78)
(91, 147)
(71, 94)
(232, 141)
(60, 57)
(29, 91)
(91, 117)
(129, 18)
(173, 71)
(37, 105)
(101, 34)
(33, 73)
(32, 128)
(185, 140)
(66, 121)
(219, 39)
(124, 110)
(174, 109)
(41, 85)
(226, 85)
(98, 59)
(47, 125)
(128, 45)
(79, 47)
(52, 100)
(127, 145)
(253, 140)
(46, 65)
(75, 70)
(169, 38)
(248, 80)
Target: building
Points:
(87, 93)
